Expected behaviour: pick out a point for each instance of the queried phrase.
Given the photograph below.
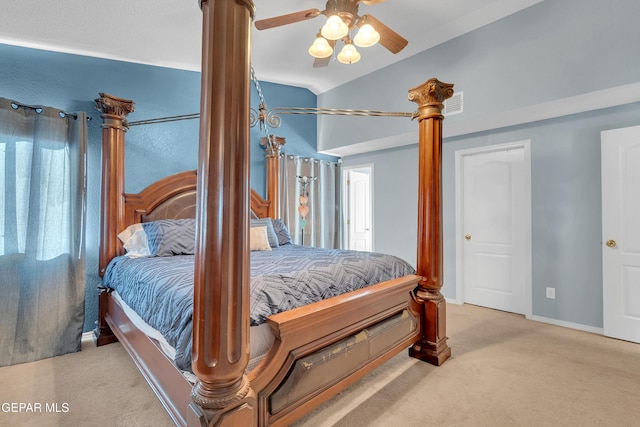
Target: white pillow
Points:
(134, 240)
(258, 239)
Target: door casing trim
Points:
(459, 189)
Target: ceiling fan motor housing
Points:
(347, 10)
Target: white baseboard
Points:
(571, 325)
(87, 336)
(578, 326)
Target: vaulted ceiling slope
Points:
(168, 33)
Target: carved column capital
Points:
(429, 96)
(273, 144)
(111, 105)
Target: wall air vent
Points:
(453, 105)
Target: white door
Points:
(495, 227)
(621, 233)
(359, 207)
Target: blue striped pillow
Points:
(168, 237)
(281, 231)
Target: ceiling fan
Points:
(342, 18)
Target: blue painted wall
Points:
(73, 82)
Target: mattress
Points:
(160, 289)
(260, 338)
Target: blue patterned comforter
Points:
(160, 289)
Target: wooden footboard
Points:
(319, 350)
(322, 348)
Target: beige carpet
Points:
(505, 371)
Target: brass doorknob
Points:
(467, 236)
(611, 243)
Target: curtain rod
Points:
(38, 109)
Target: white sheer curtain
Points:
(42, 214)
(321, 226)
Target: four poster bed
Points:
(314, 351)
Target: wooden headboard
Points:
(174, 197)
(171, 197)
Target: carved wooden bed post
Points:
(114, 113)
(222, 395)
(432, 346)
(273, 144)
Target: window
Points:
(52, 204)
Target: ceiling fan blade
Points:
(393, 41)
(290, 18)
(371, 2)
(321, 62)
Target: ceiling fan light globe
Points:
(367, 36)
(320, 48)
(334, 28)
(349, 54)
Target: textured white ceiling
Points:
(168, 32)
